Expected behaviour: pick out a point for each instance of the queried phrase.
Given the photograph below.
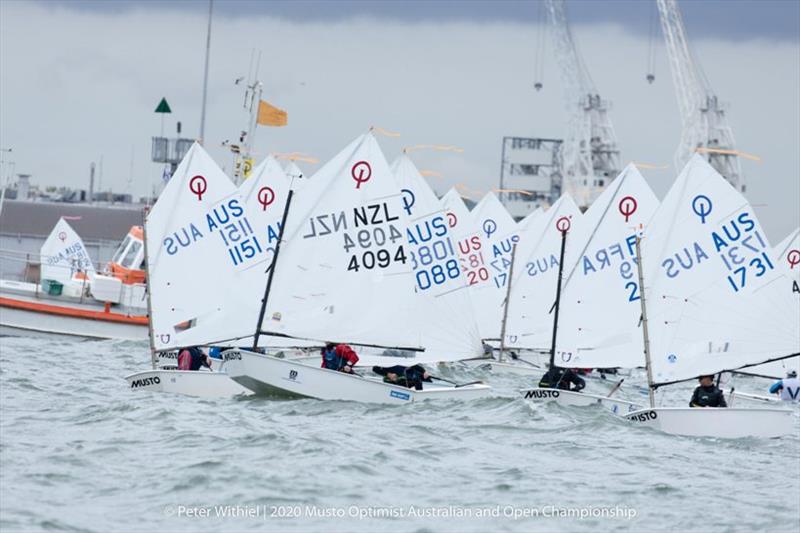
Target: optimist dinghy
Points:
(348, 273)
(198, 224)
(718, 304)
(598, 292)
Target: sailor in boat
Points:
(557, 377)
(707, 394)
(788, 387)
(405, 376)
(339, 357)
(193, 358)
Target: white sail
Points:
(530, 321)
(498, 234)
(344, 274)
(63, 254)
(783, 249)
(264, 194)
(458, 216)
(600, 301)
(445, 315)
(418, 197)
(716, 300)
(197, 235)
(787, 255)
(528, 221)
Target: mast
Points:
(647, 364)
(563, 225)
(147, 284)
(508, 300)
(272, 270)
(255, 102)
(205, 78)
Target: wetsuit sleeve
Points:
(693, 401)
(578, 382)
(777, 386)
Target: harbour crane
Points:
(591, 157)
(704, 122)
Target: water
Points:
(79, 451)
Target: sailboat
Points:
(601, 292)
(72, 299)
(344, 275)
(195, 234)
(530, 301)
(710, 286)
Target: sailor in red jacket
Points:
(339, 357)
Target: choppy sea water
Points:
(79, 451)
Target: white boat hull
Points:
(264, 374)
(198, 383)
(579, 399)
(724, 423)
(22, 322)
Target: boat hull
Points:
(579, 399)
(202, 384)
(265, 374)
(31, 323)
(724, 423)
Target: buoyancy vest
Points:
(791, 390)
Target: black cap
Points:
(699, 378)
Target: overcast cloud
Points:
(76, 84)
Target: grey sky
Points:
(82, 81)
(733, 19)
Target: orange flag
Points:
(269, 115)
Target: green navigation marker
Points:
(163, 107)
